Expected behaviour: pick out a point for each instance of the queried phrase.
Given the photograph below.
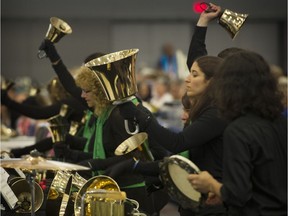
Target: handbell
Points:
(135, 147)
(58, 127)
(56, 30)
(229, 20)
(232, 21)
(116, 73)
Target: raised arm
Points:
(61, 70)
(197, 46)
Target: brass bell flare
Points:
(58, 127)
(116, 73)
(232, 21)
(57, 29)
(229, 20)
(7, 133)
(134, 147)
(22, 191)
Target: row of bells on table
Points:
(68, 187)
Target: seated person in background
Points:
(58, 97)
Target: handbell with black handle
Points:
(228, 19)
(56, 30)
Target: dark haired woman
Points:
(255, 142)
(203, 137)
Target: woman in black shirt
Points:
(255, 142)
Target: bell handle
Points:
(128, 130)
(41, 54)
(206, 7)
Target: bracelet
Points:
(56, 62)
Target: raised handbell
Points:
(116, 73)
(56, 30)
(228, 19)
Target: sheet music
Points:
(6, 191)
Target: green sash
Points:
(98, 144)
(88, 131)
(98, 150)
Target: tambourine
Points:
(174, 173)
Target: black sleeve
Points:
(75, 142)
(148, 168)
(77, 156)
(68, 81)
(197, 46)
(158, 151)
(204, 129)
(41, 146)
(35, 112)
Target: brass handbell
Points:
(116, 73)
(56, 30)
(135, 147)
(232, 21)
(59, 127)
(228, 19)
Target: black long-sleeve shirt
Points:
(46, 112)
(114, 132)
(255, 166)
(197, 47)
(203, 138)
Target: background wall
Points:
(113, 25)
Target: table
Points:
(16, 142)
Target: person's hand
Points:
(213, 199)
(121, 168)
(136, 114)
(153, 184)
(101, 164)
(206, 16)
(48, 47)
(61, 150)
(201, 182)
(75, 142)
(128, 110)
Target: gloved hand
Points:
(153, 184)
(137, 114)
(101, 164)
(61, 150)
(50, 50)
(75, 142)
(126, 166)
